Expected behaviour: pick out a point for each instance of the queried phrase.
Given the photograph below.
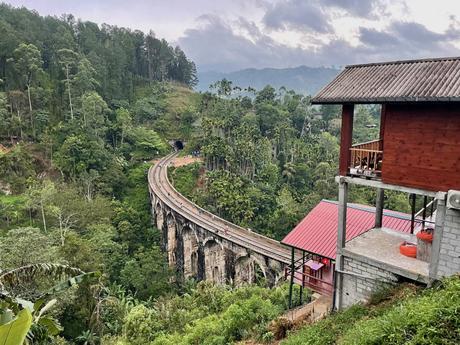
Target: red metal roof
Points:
(317, 232)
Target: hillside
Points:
(302, 79)
(405, 316)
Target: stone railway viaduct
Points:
(203, 246)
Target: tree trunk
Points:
(42, 209)
(20, 124)
(68, 89)
(32, 122)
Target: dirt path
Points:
(181, 161)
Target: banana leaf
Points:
(15, 331)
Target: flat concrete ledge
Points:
(379, 184)
(380, 248)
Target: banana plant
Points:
(14, 332)
(22, 320)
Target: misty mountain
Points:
(302, 79)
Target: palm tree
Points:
(288, 171)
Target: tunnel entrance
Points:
(178, 145)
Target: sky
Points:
(228, 35)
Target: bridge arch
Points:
(214, 261)
(248, 270)
(212, 239)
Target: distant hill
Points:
(303, 79)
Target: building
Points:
(418, 152)
(315, 237)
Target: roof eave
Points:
(383, 100)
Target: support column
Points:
(437, 235)
(341, 238)
(292, 277)
(413, 200)
(379, 208)
(346, 136)
(303, 277)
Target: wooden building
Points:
(419, 144)
(417, 152)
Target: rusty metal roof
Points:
(317, 232)
(427, 80)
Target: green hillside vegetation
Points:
(205, 314)
(428, 316)
(82, 107)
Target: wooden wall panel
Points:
(422, 146)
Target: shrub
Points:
(141, 325)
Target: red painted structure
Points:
(421, 146)
(316, 235)
(419, 143)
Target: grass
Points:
(12, 199)
(405, 316)
(13, 211)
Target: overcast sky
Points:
(226, 35)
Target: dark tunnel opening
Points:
(179, 145)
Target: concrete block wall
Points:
(449, 252)
(359, 289)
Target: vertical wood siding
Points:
(422, 146)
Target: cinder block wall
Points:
(449, 254)
(359, 289)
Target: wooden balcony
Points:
(366, 159)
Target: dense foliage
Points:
(205, 314)
(271, 158)
(82, 107)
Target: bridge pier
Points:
(172, 242)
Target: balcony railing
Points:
(366, 159)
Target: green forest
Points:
(270, 158)
(84, 109)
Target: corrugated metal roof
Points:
(425, 80)
(317, 232)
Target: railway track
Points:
(165, 191)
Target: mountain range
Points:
(302, 79)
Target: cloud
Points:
(223, 45)
(409, 40)
(297, 15)
(372, 37)
(361, 8)
(215, 45)
(315, 15)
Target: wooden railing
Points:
(366, 159)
